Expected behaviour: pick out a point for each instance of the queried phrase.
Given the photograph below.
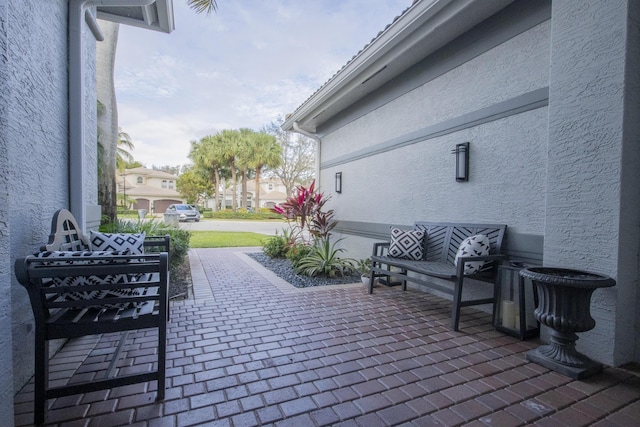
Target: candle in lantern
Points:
(508, 314)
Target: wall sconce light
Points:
(338, 182)
(462, 161)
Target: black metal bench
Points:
(119, 293)
(441, 243)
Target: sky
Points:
(245, 65)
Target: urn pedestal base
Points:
(561, 356)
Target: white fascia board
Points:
(423, 28)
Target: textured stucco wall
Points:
(587, 137)
(517, 66)
(417, 182)
(38, 139)
(6, 371)
(37, 181)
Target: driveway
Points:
(263, 227)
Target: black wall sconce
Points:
(462, 161)
(338, 182)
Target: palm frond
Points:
(201, 6)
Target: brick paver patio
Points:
(251, 350)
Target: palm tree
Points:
(203, 5)
(265, 152)
(227, 149)
(123, 149)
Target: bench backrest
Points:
(65, 235)
(443, 239)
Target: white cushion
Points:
(133, 242)
(406, 244)
(477, 245)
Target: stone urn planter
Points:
(564, 306)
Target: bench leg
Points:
(372, 277)
(41, 378)
(455, 306)
(162, 360)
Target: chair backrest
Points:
(443, 239)
(65, 235)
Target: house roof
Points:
(418, 31)
(150, 173)
(148, 190)
(156, 16)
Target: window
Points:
(270, 187)
(170, 184)
(139, 180)
(164, 183)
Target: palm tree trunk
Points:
(257, 189)
(107, 118)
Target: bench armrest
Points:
(154, 244)
(463, 260)
(380, 248)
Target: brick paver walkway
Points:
(251, 350)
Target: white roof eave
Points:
(422, 29)
(157, 16)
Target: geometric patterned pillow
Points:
(91, 280)
(134, 242)
(406, 244)
(477, 245)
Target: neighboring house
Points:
(546, 93)
(152, 190)
(47, 143)
(272, 192)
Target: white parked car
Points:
(185, 212)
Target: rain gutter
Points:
(78, 12)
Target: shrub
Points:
(297, 253)
(275, 247)
(179, 239)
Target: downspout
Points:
(318, 141)
(77, 170)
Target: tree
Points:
(200, 6)
(192, 185)
(227, 150)
(107, 116)
(123, 148)
(208, 162)
(265, 153)
(298, 156)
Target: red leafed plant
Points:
(304, 212)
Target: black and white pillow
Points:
(82, 284)
(133, 242)
(406, 244)
(477, 245)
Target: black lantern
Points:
(462, 161)
(338, 182)
(515, 303)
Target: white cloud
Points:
(243, 66)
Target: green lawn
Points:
(225, 239)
